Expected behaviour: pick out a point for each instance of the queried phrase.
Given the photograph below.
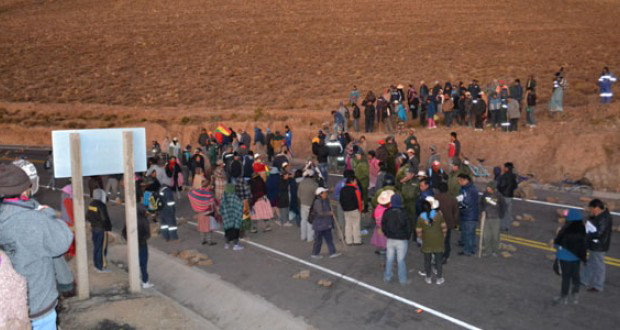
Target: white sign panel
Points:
(102, 151)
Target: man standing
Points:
(516, 92)
(396, 227)
(469, 214)
(259, 141)
(604, 83)
(167, 213)
(100, 223)
(32, 236)
(288, 139)
(356, 117)
(449, 207)
(352, 206)
(506, 184)
(598, 237)
(369, 116)
(306, 194)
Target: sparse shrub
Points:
(185, 120)
(75, 125)
(258, 114)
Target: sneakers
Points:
(335, 255)
(147, 285)
(560, 300)
(428, 280)
(574, 298)
(440, 281)
(316, 256)
(422, 273)
(237, 247)
(102, 271)
(288, 224)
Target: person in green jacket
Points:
(454, 188)
(392, 152)
(361, 169)
(212, 154)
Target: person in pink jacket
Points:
(373, 170)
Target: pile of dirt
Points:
(193, 258)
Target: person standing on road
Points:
(431, 229)
(352, 206)
(506, 185)
(356, 117)
(557, 96)
(100, 223)
(284, 200)
(232, 216)
(288, 139)
(306, 194)
(369, 116)
(492, 205)
(454, 148)
(469, 214)
(322, 219)
(167, 213)
(513, 114)
(449, 208)
(571, 250)
(32, 236)
(395, 225)
(259, 203)
(598, 237)
(378, 239)
(605, 81)
(362, 169)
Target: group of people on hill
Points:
(498, 104)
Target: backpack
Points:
(311, 212)
(150, 201)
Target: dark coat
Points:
(572, 237)
(395, 223)
(599, 241)
(506, 184)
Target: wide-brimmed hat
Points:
(385, 197)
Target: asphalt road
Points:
(489, 293)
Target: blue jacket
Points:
(338, 118)
(273, 187)
(337, 189)
(288, 137)
(321, 215)
(469, 204)
(604, 84)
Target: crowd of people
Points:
(246, 185)
(498, 105)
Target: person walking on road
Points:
(322, 219)
(570, 243)
(469, 214)
(395, 225)
(232, 216)
(431, 229)
(352, 206)
(598, 237)
(506, 185)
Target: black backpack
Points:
(311, 214)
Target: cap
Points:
(13, 180)
(422, 173)
(434, 203)
(320, 190)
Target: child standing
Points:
(232, 216)
(431, 228)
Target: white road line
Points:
(360, 283)
(557, 205)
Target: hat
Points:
(320, 190)
(396, 201)
(410, 150)
(574, 215)
(175, 139)
(400, 86)
(385, 197)
(256, 155)
(68, 189)
(422, 173)
(491, 184)
(436, 162)
(309, 172)
(315, 140)
(434, 203)
(13, 180)
(285, 164)
(31, 172)
(381, 142)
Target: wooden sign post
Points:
(78, 216)
(131, 215)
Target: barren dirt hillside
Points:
(175, 66)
